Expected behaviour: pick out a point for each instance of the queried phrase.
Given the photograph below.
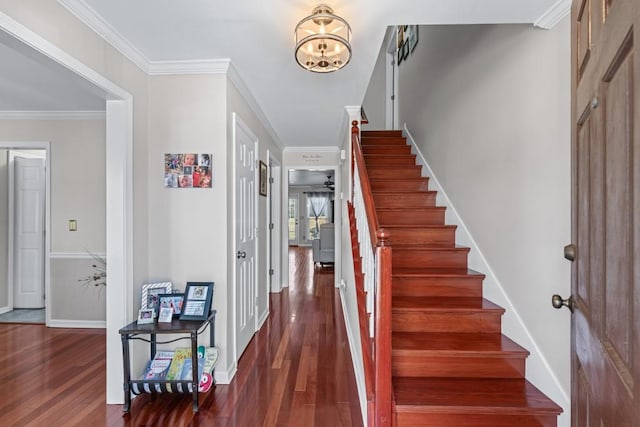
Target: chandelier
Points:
(322, 41)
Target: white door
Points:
(29, 205)
(245, 234)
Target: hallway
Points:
(296, 371)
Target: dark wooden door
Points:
(606, 222)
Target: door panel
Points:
(606, 214)
(29, 233)
(245, 240)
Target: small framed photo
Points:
(197, 301)
(263, 178)
(145, 316)
(151, 292)
(165, 315)
(173, 301)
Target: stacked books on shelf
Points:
(177, 365)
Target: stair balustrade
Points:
(374, 276)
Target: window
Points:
(317, 213)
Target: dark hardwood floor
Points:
(296, 371)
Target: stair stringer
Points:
(538, 370)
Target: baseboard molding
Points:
(77, 255)
(225, 377)
(263, 318)
(6, 309)
(357, 363)
(479, 263)
(77, 324)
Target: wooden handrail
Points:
(377, 349)
(367, 194)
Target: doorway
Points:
(24, 248)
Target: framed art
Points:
(165, 315)
(173, 301)
(188, 170)
(263, 178)
(151, 292)
(197, 301)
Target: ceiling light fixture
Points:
(323, 41)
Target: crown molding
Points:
(52, 115)
(554, 14)
(237, 81)
(95, 22)
(200, 66)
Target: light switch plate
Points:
(73, 225)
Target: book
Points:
(179, 356)
(187, 372)
(210, 360)
(159, 366)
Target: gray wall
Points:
(78, 186)
(489, 107)
(374, 102)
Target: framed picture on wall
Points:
(188, 170)
(263, 178)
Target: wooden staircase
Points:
(451, 365)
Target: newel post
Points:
(383, 329)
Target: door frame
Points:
(17, 146)
(119, 193)
(327, 158)
(391, 78)
(274, 216)
(239, 123)
(297, 196)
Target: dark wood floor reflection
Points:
(296, 371)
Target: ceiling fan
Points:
(329, 184)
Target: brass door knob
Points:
(558, 302)
(570, 252)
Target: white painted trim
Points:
(76, 255)
(463, 233)
(190, 66)
(91, 19)
(225, 377)
(391, 78)
(358, 367)
(77, 324)
(274, 216)
(554, 14)
(5, 309)
(52, 115)
(253, 104)
(119, 158)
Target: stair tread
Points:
(421, 227)
(436, 272)
(408, 179)
(451, 342)
(472, 395)
(448, 304)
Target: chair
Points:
(323, 247)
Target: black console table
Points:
(133, 331)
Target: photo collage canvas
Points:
(189, 170)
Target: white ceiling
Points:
(304, 108)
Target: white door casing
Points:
(29, 220)
(293, 213)
(245, 146)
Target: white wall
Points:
(489, 107)
(374, 102)
(4, 222)
(188, 226)
(78, 186)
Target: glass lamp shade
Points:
(323, 41)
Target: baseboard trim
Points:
(5, 309)
(77, 324)
(225, 377)
(481, 264)
(357, 363)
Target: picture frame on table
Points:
(145, 316)
(263, 178)
(197, 301)
(173, 301)
(165, 315)
(151, 292)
